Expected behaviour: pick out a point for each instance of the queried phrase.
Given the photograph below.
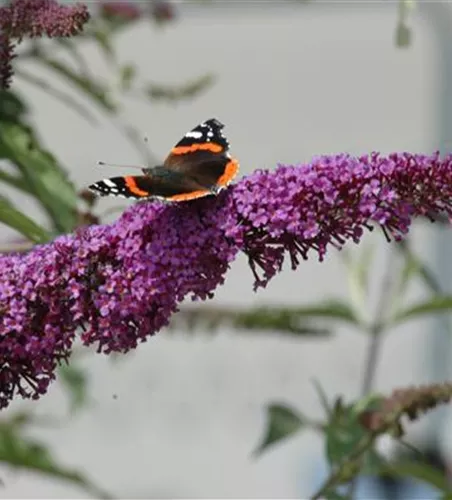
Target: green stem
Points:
(375, 330)
(377, 327)
(337, 476)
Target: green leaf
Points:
(371, 401)
(282, 423)
(61, 96)
(358, 273)
(429, 277)
(281, 319)
(15, 181)
(43, 175)
(415, 266)
(363, 266)
(75, 380)
(373, 462)
(189, 90)
(19, 420)
(327, 408)
(24, 453)
(403, 35)
(438, 304)
(103, 38)
(127, 75)
(88, 86)
(275, 319)
(329, 309)
(343, 434)
(411, 269)
(113, 24)
(417, 470)
(72, 46)
(334, 495)
(12, 217)
(11, 106)
(403, 31)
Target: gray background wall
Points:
(180, 416)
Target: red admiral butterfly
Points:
(198, 165)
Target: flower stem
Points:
(377, 327)
(336, 476)
(375, 330)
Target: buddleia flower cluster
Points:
(21, 19)
(410, 403)
(117, 285)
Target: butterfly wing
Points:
(197, 166)
(162, 184)
(203, 155)
(207, 136)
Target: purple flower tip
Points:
(35, 18)
(120, 283)
(126, 11)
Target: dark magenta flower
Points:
(125, 11)
(6, 56)
(119, 284)
(36, 18)
(295, 210)
(163, 11)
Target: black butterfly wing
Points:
(207, 136)
(162, 184)
(203, 155)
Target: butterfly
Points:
(198, 165)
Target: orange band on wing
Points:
(205, 146)
(132, 185)
(230, 172)
(189, 196)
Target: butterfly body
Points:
(199, 165)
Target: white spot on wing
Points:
(194, 134)
(109, 183)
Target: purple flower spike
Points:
(6, 56)
(119, 284)
(36, 327)
(125, 11)
(297, 209)
(35, 18)
(135, 272)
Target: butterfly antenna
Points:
(104, 164)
